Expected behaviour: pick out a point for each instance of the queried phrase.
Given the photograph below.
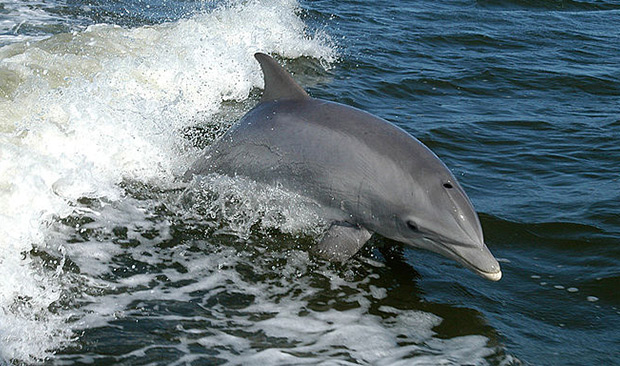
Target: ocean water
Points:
(108, 257)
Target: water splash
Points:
(81, 112)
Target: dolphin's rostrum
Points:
(369, 175)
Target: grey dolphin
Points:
(368, 175)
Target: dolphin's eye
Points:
(412, 226)
(448, 185)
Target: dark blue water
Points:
(521, 99)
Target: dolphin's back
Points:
(320, 149)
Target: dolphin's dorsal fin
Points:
(278, 83)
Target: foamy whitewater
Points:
(94, 135)
(89, 109)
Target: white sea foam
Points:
(253, 318)
(81, 112)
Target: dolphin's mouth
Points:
(477, 259)
(492, 276)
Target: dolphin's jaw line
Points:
(443, 248)
(496, 276)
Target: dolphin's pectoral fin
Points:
(342, 241)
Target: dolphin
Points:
(368, 175)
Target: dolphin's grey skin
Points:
(369, 175)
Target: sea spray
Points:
(81, 112)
